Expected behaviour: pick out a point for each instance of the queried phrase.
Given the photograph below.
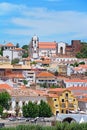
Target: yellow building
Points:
(62, 100)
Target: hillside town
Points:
(51, 72)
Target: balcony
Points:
(70, 105)
(63, 105)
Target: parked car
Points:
(28, 119)
(12, 118)
(21, 118)
(2, 125)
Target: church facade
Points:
(39, 49)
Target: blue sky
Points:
(50, 20)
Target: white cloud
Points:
(45, 22)
(6, 8)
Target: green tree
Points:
(5, 100)
(25, 82)
(25, 55)
(25, 47)
(86, 73)
(79, 55)
(44, 109)
(1, 110)
(82, 63)
(33, 63)
(15, 61)
(1, 51)
(31, 110)
(44, 85)
(56, 73)
(76, 64)
(17, 45)
(25, 111)
(83, 52)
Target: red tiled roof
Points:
(76, 80)
(52, 95)
(26, 92)
(5, 86)
(9, 44)
(48, 45)
(77, 88)
(18, 75)
(83, 100)
(45, 74)
(83, 66)
(56, 89)
(43, 61)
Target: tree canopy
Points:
(31, 110)
(35, 110)
(4, 101)
(44, 109)
(25, 47)
(15, 61)
(83, 52)
(17, 45)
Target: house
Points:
(46, 77)
(83, 104)
(61, 100)
(10, 51)
(4, 60)
(21, 96)
(75, 82)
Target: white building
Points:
(75, 82)
(83, 104)
(10, 51)
(38, 49)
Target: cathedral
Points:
(39, 49)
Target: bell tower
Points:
(35, 47)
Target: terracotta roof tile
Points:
(18, 75)
(25, 92)
(5, 86)
(56, 90)
(77, 88)
(9, 44)
(48, 45)
(53, 95)
(83, 100)
(76, 80)
(45, 74)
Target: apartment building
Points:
(61, 101)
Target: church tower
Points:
(35, 47)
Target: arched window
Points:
(61, 50)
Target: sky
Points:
(50, 20)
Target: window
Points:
(54, 99)
(57, 112)
(66, 95)
(62, 111)
(73, 99)
(62, 100)
(23, 103)
(16, 103)
(56, 105)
